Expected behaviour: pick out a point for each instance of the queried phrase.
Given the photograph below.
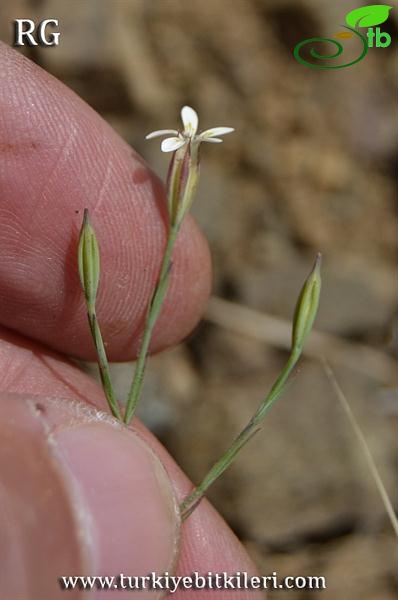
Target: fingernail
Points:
(123, 489)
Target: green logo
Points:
(367, 16)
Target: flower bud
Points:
(307, 306)
(89, 261)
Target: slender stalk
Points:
(154, 309)
(181, 187)
(103, 364)
(365, 448)
(253, 426)
(304, 315)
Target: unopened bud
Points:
(307, 306)
(89, 261)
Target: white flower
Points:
(189, 135)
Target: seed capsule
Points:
(89, 261)
(307, 306)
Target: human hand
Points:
(81, 494)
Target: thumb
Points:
(80, 495)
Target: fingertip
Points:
(59, 157)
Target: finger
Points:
(57, 156)
(207, 543)
(79, 496)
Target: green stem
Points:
(154, 309)
(254, 425)
(103, 364)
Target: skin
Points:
(79, 493)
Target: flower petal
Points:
(160, 132)
(190, 121)
(214, 131)
(171, 144)
(211, 140)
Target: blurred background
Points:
(313, 166)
